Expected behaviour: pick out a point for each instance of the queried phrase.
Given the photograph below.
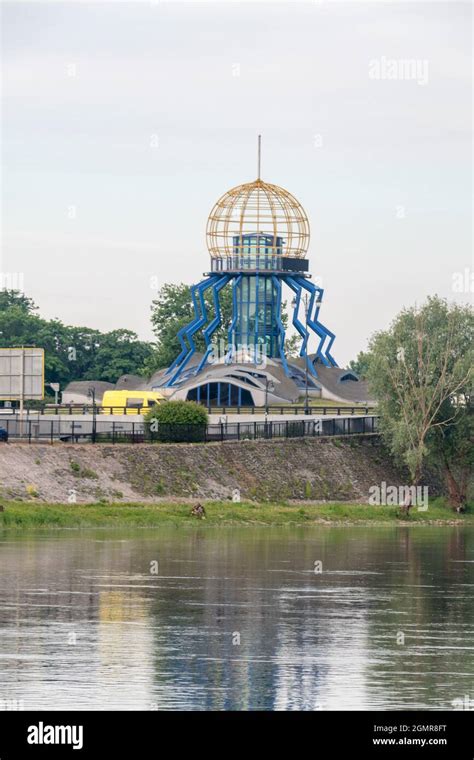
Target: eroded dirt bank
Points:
(261, 470)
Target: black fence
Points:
(100, 431)
(74, 409)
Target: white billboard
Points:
(21, 373)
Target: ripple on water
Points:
(246, 625)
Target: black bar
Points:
(116, 734)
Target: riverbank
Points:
(274, 471)
(40, 515)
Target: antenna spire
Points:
(259, 155)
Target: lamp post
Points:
(55, 387)
(91, 394)
(269, 386)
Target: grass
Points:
(40, 515)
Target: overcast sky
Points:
(124, 122)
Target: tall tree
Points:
(360, 365)
(116, 353)
(10, 299)
(173, 310)
(451, 449)
(420, 372)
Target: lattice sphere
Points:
(258, 211)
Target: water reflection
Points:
(238, 619)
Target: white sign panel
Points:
(21, 369)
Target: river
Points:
(238, 618)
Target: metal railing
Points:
(81, 409)
(238, 262)
(100, 431)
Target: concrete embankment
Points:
(278, 470)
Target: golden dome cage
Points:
(257, 216)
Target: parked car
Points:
(3, 434)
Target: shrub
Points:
(82, 472)
(177, 421)
(88, 473)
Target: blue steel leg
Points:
(230, 334)
(196, 324)
(316, 325)
(212, 326)
(184, 331)
(332, 337)
(296, 288)
(281, 329)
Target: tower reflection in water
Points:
(238, 619)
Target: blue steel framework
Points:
(256, 318)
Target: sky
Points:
(123, 123)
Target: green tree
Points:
(360, 365)
(293, 345)
(71, 353)
(116, 353)
(173, 310)
(451, 449)
(420, 372)
(20, 326)
(15, 299)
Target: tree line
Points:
(71, 353)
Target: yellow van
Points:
(129, 402)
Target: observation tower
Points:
(258, 237)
